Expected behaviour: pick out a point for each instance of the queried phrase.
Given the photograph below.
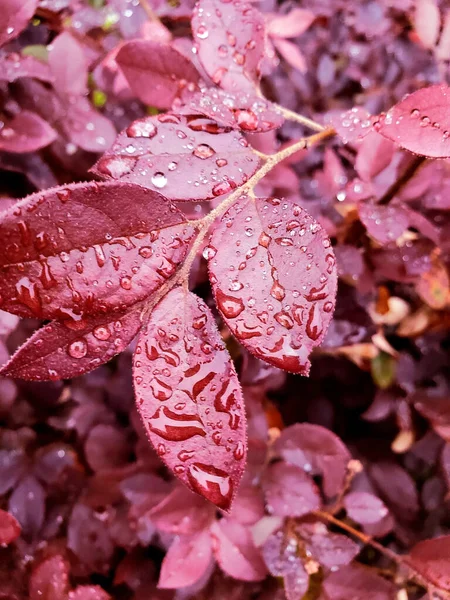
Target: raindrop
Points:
(230, 306)
(142, 128)
(203, 151)
(102, 333)
(202, 32)
(78, 349)
(209, 252)
(221, 162)
(159, 180)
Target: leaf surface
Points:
(189, 397)
(88, 248)
(184, 158)
(13, 67)
(274, 278)
(229, 38)
(356, 581)
(26, 132)
(9, 528)
(186, 560)
(289, 491)
(15, 17)
(68, 65)
(364, 508)
(50, 579)
(431, 558)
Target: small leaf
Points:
(289, 491)
(186, 561)
(352, 125)
(229, 38)
(431, 559)
(374, 155)
(433, 286)
(26, 132)
(15, 17)
(292, 24)
(236, 552)
(68, 65)
(427, 22)
(14, 67)
(420, 123)
(189, 397)
(364, 508)
(356, 581)
(383, 223)
(27, 505)
(86, 127)
(383, 370)
(157, 73)
(182, 512)
(88, 248)
(184, 158)
(50, 579)
(330, 550)
(9, 528)
(65, 349)
(274, 278)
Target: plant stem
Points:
(293, 116)
(152, 16)
(409, 173)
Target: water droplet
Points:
(142, 128)
(202, 32)
(126, 283)
(216, 436)
(415, 113)
(425, 121)
(221, 162)
(78, 349)
(209, 252)
(277, 291)
(172, 166)
(116, 166)
(159, 180)
(174, 426)
(246, 120)
(212, 483)
(199, 322)
(203, 151)
(102, 333)
(230, 306)
(239, 451)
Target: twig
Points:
(411, 170)
(293, 116)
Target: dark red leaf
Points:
(431, 559)
(330, 550)
(229, 38)
(88, 248)
(14, 66)
(420, 122)
(27, 505)
(9, 528)
(289, 491)
(186, 561)
(316, 450)
(88, 592)
(50, 580)
(237, 110)
(355, 581)
(397, 488)
(15, 17)
(157, 73)
(364, 508)
(26, 132)
(184, 158)
(65, 349)
(235, 551)
(189, 397)
(274, 278)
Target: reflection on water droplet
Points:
(203, 151)
(230, 306)
(142, 128)
(78, 349)
(159, 180)
(202, 32)
(209, 252)
(212, 483)
(102, 333)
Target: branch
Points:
(409, 173)
(293, 116)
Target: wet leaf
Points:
(9, 528)
(88, 592)
(186, 561)
(274, 278)
(431, 559)
(15, 17)
(364, 508)
(26, 132)
(50, 579)
(420, 123)
(383, 223)
(289, 491)
(157, 73)
(182, 512)
(356, 581)
(189, 397)
(352, 125)
(331, 550)
(88, 248)
(13, 67)
(229, 38)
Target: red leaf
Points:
(384, 223)
(189, 397)
(88, 248)
(15, 17)
(317, 450)
(420, 123)
(230, 40)
(26, 132)
(68, 64)
(355, 581)
(431, 558)
(330, 550)
(235, 551)
(186, 561)
(157, 73)
(86, 127)
(237, 110)
(374, 155)
(274, 278)
(364, 508)
(352, 125)
(281, 556)
(50, 580)
(65, 349)
(182, 512)
(184, 158)
(9, 528)
(289, 491)
(292, 24)
(14, 67)
(89, 592)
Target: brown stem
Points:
(412, 169)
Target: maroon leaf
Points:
(397, 488)
(9, 528)
(88, 248)
(186, 561)
(88, 592)
(26, 132)
(274, 278)
(27, 505)
(65, 349)
(420, 123)
(364, 508)
(237, 110)
(14, 66)
(68, 65)
(50, 580)
(431, 559)
(280, 552)
(86, 127)
(289, 491)
(106, 447)
(157, 73)
(15, 17)
(189, 397)
(230, 41)
(316, 450)
(331, 550)
(185, 158)
(235, 551)
(355, 581)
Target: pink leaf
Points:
(427, 22)
(431, 559)
(289, 491)
(68, 65)
(189, 397)
(14, 67)
(65, 349)
(182, 157)
(317, 450)
(26, 132)
(420, 123)
(235, 551)
(88, 592)
(356, 581)
(330, 550)
(157, 73)
(229, 39)
(27, 505)
(50, 579)
(364, 508)
(87, 128)
(274, 278)
(181, 512)
(248, 506)
(9, 528)
(351, 125)
(292, 24)
(15, 17)
(88, 248)
(374, 154)
(186, 561)
(291, 54)
(384, 223)
(237, 110)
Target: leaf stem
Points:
(152, 16)
(409, 173)
(293, 116)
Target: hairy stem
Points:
(293, 116)
(409, 173)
